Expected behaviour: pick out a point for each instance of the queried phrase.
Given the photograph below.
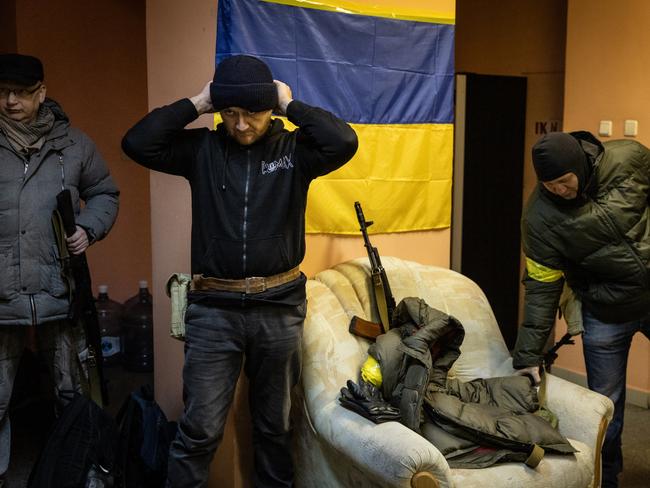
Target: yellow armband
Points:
(539, 272)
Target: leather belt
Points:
(253, 284)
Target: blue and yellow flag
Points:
(389, 72)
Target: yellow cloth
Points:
(371, 372)
(542, 273)
(401, 174)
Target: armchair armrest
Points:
(581, 412)
(388, 453)
(583, 415)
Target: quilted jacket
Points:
(601, 247)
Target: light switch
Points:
(631, 128)
(605, 128)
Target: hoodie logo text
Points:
(283, 163)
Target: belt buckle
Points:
(255, 284)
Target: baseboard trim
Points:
(633, 396)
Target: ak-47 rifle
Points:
(383, 296)
(551, 354)
(82, 302)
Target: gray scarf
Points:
(28, 138)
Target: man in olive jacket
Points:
(41, 154)
(249, 181)
(588, 224)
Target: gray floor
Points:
(636, 440)
(636, 448)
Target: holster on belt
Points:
(176, 288)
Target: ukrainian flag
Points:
(388, 71)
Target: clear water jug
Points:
(138, 331)
(109, 316)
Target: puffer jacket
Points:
(461, 419)
(32, 290)
(600, 247)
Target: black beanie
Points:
(21, 69)
(243, 81)
(558, 153)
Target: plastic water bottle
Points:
(109, 316)
(143, 287)
(137, 325)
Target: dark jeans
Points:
(606, 348)
(216, 342)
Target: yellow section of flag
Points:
(439, 11)
(401, 173)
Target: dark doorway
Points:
(488, 181)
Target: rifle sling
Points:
(380, 296)
(92, 384)
(95, 384)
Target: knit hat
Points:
(21, 69)
(558, 153)
(243, 81)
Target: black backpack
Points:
(145, 437)
(87, 447)
(84, 438)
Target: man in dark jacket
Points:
(249, 181)
(41, 154)
(588, 223)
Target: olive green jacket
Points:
(415, 357)
(601, 247)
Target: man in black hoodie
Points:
(249, 180)
(588, 223)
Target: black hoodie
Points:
(248, 202)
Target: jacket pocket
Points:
(266, 256)
(8, 283)
(54, 282)
(223, 258)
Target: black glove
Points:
(366, 400)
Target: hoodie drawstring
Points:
(225, 163)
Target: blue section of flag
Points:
(366, 70)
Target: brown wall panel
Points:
(94, 56)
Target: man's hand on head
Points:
(284, 97)
(202, 102)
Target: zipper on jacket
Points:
(245, 223)
(32, 306)
(62, 171)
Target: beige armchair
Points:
(338, 448)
